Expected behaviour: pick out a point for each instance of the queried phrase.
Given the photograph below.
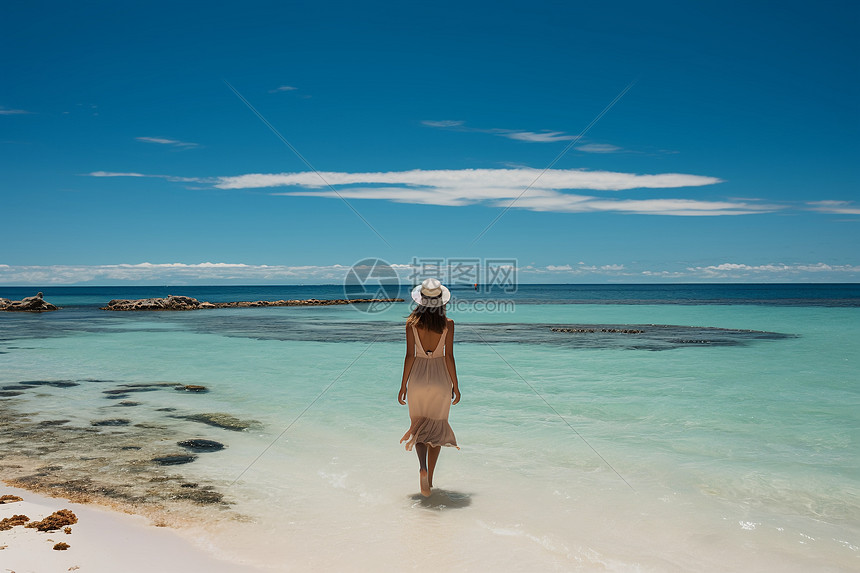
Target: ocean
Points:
(602, 427)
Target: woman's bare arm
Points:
(407, 364)
(449, 362)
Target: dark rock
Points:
(113, 422)
(220, 420)
(201, 446)
(128, 403)
(29, 304)
(169, 303)
(165, 410)
(9, 394)
(130, 448)
(54, 422)
(53, 383)
(191, 388)
(174, 460)
(128, 389)
(188, 303)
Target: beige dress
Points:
(428, 393)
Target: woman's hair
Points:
(430, 317)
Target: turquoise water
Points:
(691, 449)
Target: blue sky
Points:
(730, 155)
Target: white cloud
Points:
(537, 137)
(741, 270)
(598, 148)
(443, 123)
(171, 178)
(241, 273)
(835, 207)
(502, 188)
(283, 89)
(506, 182)
(165, 273)
(7, 111)
(117, 174)
(164, 141)
(543, 136)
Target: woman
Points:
(429, 377)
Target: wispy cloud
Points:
(7, 111)
(283, 89)
(443, 123)
(744, 271)
(537, 137)
(500, 187)
(543, 136)
(835, 207)
(160, 274)
(171, 178)
(475, 179)
(598, 148)
(167, 273)
(164, 141)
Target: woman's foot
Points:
(425, 483)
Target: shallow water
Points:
(731, 447)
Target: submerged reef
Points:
(127, 463)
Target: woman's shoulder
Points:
(450, 323)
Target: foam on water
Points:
(742, 455)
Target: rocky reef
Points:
(29, 304)
(172, 302)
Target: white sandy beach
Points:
(102, 541)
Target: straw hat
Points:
(430, 289)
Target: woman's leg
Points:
(421, 450)
(432, 456)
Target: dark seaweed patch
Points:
(201, 446)
(174, 459)
(112, 422)
(53, 383)
(221, 420)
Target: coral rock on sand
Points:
(29, 304)
(10, 522)
(61, 546)
(9, 499)
(56, 520)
